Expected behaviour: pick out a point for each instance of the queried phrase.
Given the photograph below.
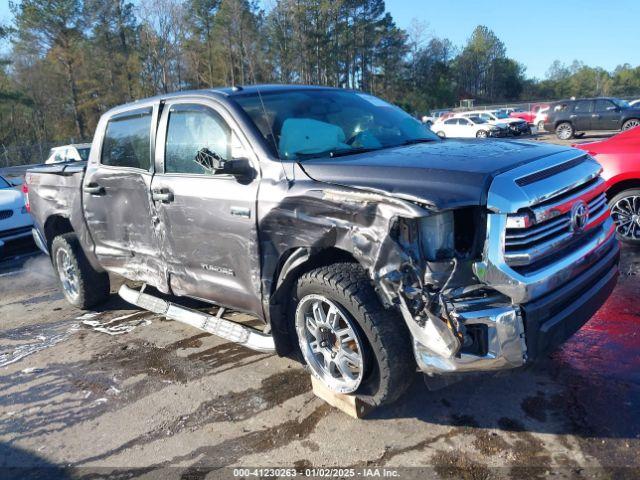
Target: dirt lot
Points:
(77, 402)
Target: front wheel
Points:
(632, 122)
(83, 287)
(625, 211)
(441, 134)
(482, 134)
(565, 131)
(348, 340)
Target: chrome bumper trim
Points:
(506, 344)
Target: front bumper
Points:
(520, 128)
(513, 335)
(14, 234)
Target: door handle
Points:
(595, 115)
(240, 212)
(94, 189)
(164, 196)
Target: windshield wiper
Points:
(334, 153)
(414, 141)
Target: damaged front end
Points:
(457, 323)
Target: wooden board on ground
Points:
(349, 404)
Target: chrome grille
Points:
(4, 214)
(545, 230)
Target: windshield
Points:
(621, 103)
(4, 184)
(301, 124)
(500, 115)
(84, 153)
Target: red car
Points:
(620, 160)
(529, 116)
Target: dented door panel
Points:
(208, 228)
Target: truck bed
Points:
(55, 196)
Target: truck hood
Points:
(441, 174)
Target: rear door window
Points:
(127, 141)
(583, 106)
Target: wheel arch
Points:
(621, 186)
(54, 226)
(564, 120)
(292, 264)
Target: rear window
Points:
(127, 141)
(84, 153)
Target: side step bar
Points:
(216, 325)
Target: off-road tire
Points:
(93, 286)
(563, 128)
(389, 366)
(632, 192)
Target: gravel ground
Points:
(162, 400)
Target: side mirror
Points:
(214, 163)
(210, 161)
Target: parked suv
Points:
(366, 245)
(568, 117)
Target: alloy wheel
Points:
(626, 213)
(564, 131)
(631, 123)
(330, 343)
(67, 273)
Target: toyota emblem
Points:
(579, 216)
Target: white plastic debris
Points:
(116, 326)
(53, 335)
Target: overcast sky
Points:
(598, 32)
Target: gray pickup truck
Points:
(366, 245)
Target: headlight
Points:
(436, 236)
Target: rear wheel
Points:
(632, 122)
(625, 211)
(482, 134)
(565, 131)
(348, 340)
(82, 286)
(540, 126)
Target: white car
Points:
(69, 153)
(461, 127)
(541, 117)
(15, 220)
(516, 126)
